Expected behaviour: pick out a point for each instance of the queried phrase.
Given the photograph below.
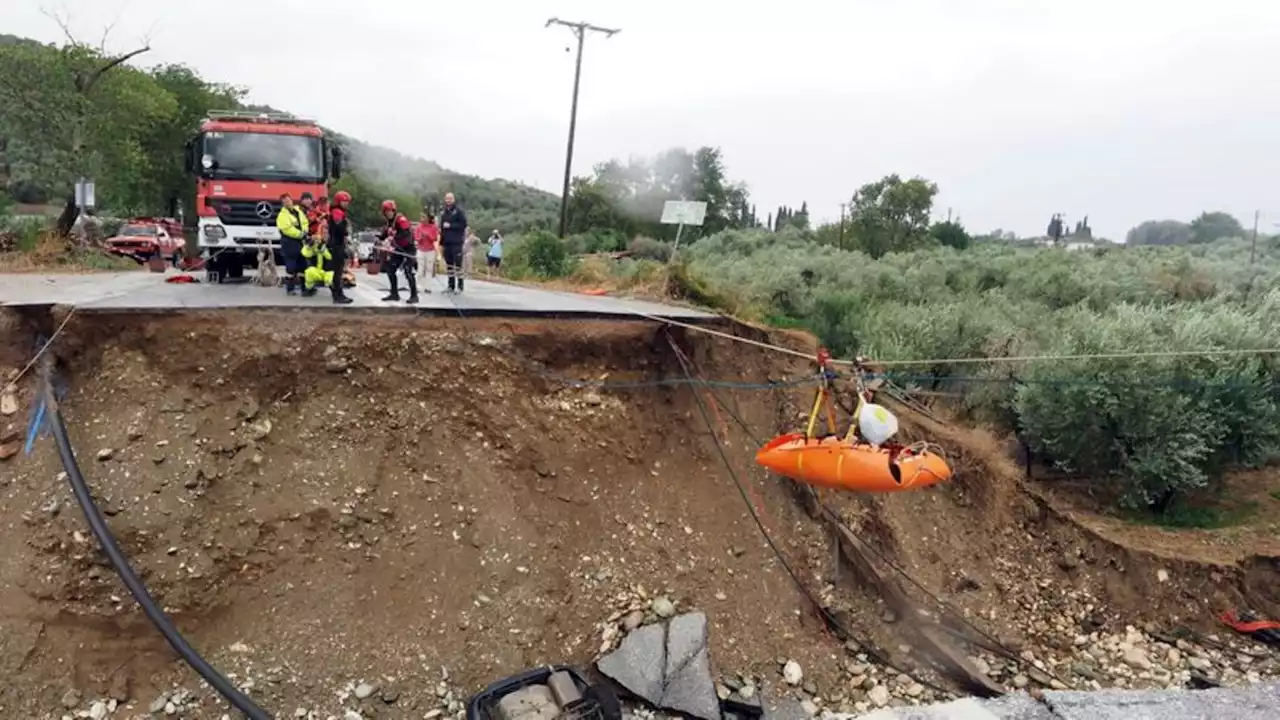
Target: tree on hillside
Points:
(1160, 232)
(168, 182)
(789, 217)
(891, 214)
(951, 234)
(592, 207)
(628, 197)
(367, 197)
(76, 111)
(1212, 226)
(711, 187)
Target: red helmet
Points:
(342, 196)
(388, 206)
(402, 222)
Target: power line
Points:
(579, 30)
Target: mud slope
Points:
(427, 506)
(1067, 599)
(376, 501)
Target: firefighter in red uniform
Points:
(339, 232)
(398, 236)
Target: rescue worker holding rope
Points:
(339, 232)
(401, 251)
(294, 231)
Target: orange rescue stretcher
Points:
(849, 462)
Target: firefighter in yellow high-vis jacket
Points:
(316, 255)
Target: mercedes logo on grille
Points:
(263, 210)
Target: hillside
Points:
(505, 204)
(138, 119)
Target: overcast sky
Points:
(1124, 110)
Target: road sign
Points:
(684, 212)
(84, 194)
(681, 213)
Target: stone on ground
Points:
(667, 665)
(535, 702)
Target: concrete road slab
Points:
(1257, 702)
(148, 292)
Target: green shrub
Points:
(597, 241)
(1149, 430)
(25, 230)
(546, 255)
(644, 248)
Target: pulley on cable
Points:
(864, 459)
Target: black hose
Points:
(98, 525)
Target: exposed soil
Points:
(425, 505)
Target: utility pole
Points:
(842, 207)
(1253, 247)
(579, 30)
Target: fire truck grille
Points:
(246, 212)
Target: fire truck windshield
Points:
(252, 156)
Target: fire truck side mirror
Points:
(189, 156)
(335, 168)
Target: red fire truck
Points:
(243, 162)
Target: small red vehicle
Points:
(145, 238)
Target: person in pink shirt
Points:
(427, 236)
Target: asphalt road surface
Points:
(148, 292)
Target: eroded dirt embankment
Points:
(319, 501)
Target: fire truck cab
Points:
(244, 162)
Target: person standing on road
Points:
(469, 253)
(453, 233)
(292, 224)
(339, 233)
(494, 256)
(427, 235)
(402, 255)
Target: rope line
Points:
(964, 360)
(1002, 649)
(44, 347)
(935, 361)
(676, 382)
(1084, 356)
(1184, 383)
(778, 554)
